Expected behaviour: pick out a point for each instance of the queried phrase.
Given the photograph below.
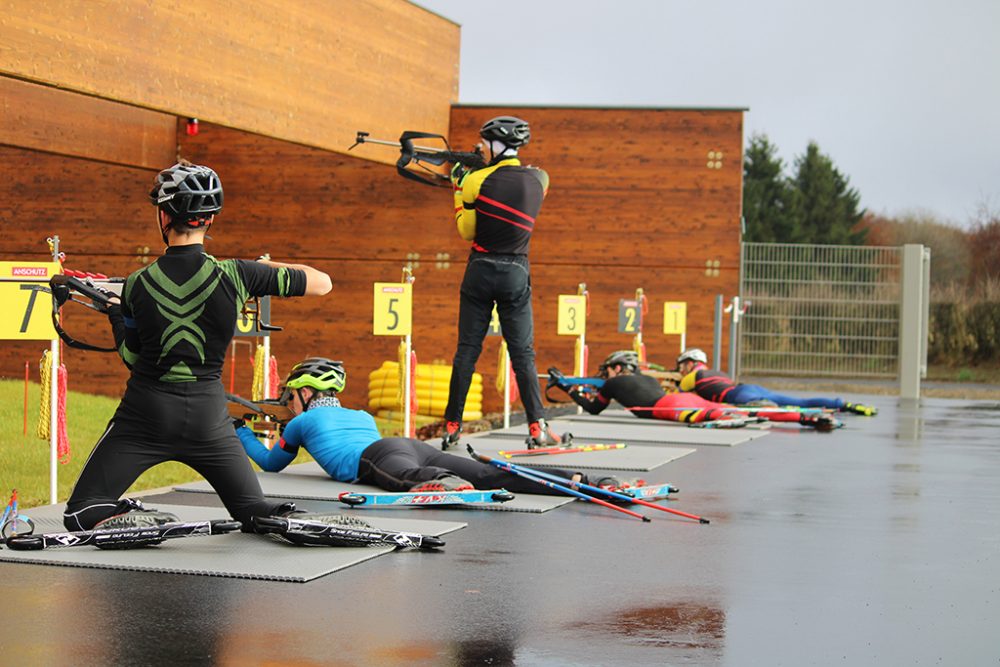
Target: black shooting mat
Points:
(239, 555)
(308, 481)
(632, 457)
(594, 429)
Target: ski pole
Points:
(512, 467)
(6, 511)
(531, 474)
(560, 450)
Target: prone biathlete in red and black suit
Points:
(643, 396)
(716, 386)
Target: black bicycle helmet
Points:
(508, 130)
(627, 358)
(189, 193)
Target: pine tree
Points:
(771, 207)
(830, 213)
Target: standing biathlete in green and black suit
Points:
(172, 328)
(495, 209)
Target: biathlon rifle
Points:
(409, 153)
(98, 291)
(240, 408)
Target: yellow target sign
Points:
(393, 310)
(26, 301)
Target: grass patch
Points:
(26, 457)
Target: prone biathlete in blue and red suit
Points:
(347, 445)
(716, 386)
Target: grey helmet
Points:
(508, 130)
(188, 193)
(627, 358)
(693, 354)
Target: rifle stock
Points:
(241, 408)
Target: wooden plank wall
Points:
(632, 204)
(646, 198)
(311, 71)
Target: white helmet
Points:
(694, 354)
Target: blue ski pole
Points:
(533, 475)
(516, 469)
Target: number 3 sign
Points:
(393, 310)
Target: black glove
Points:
(458, 174)
(238, 422)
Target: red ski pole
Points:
(535, 476)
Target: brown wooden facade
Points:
(629, 219)
(639, 198)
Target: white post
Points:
(580, 360)
(406, 388)
(54, 403)
(54, 423)
(506, 388)
(267, 367)
(912, 312)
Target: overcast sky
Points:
(904, 96)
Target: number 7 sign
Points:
(393, 310)
(25, 300)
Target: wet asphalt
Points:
(878, 544)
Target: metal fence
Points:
(820, 310)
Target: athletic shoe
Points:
(446, 483)
(134, 515)
(452, 431)
(858, 409)
(541, 435)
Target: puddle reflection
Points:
(681, 625)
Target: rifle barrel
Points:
(396, 144)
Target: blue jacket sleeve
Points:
(270, 460)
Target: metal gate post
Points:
(912, 321)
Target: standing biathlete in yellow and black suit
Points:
(495, 209)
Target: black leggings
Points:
(398, 464)
(157, 422)
(504, 280)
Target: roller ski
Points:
(13, 522)
(636, 488)
(823, 423)
(452, 433)
(735, 422)
(335, 530)
(425, 498)
(120, 538)
(541, 436)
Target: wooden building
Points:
(91, 109)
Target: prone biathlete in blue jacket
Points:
(718, 387)
(347, 445)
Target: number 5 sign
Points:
(393, 310)
(25, 300)
(572, 315)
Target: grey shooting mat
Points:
(639, 431)
(632, 457)
(308, 481)
(239, 555)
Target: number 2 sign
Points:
(393, 309)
